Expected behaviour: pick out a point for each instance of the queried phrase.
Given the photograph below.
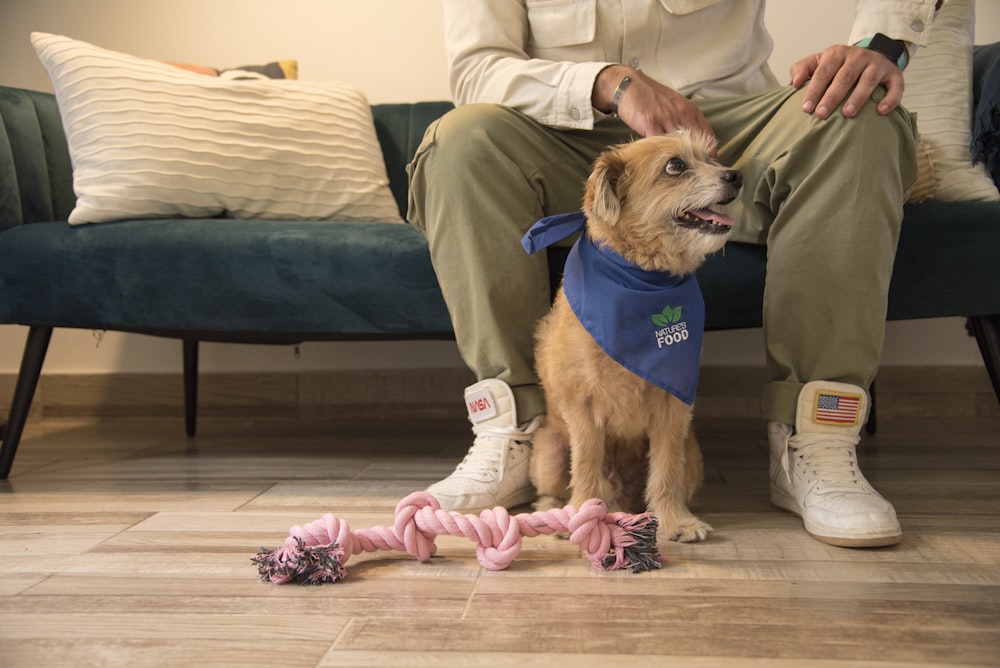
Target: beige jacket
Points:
(542, 56)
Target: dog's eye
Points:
(676, 167)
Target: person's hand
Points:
(647, 106)
(832, 73)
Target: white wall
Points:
(393, 50)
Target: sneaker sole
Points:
(513, 501)
(837, 541)
(823, 533)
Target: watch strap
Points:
(893, 49)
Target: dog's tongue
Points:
(714, 216)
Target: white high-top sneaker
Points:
(495, 470)
(815, 473)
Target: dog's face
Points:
(656, 201)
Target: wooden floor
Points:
(122, 543)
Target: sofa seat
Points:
(286, 281)
(218, 278)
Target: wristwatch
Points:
(893, 49)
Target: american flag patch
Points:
(833, 408)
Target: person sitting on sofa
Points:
(541, 88)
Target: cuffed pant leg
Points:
(482, 176)
(826, 198)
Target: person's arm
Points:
(486, 45)
(487, 48)
(645, 105)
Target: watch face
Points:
(893, 49)
(888, 47)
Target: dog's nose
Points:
(733, 177)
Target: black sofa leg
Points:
(872, 425)
(35, 348)
(191, 386)
(986, 329)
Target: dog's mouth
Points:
(705, 220)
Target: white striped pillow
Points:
(149, 140)
(939, 92)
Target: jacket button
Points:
(918, 26)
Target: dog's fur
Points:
(608, 433)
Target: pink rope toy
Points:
(317, 552)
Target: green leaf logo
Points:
(667, 317)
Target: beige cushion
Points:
(939, 91)
(926, 180)
(149, 140)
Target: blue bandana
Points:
(650, 322)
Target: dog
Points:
(609, 433)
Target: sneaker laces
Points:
(488, 453)
(829, 459)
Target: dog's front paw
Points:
(546, 502)
(690, 530)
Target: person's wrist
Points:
(616, 97)
(893, 49)
(608, 83)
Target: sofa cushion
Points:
(149, 140)
(924, 284)
(921, 286)
(939, 91)
(941, 268)
(339, 279)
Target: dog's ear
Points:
(603, 201)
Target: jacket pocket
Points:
(681, 7)
(556, 23)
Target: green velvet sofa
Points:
(284, 282)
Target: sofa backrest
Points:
(36, 176)
(400, 129)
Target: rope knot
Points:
(419, 543)
(505, 535)
(590, 532)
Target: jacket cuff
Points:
(572, 106)
(906, 20)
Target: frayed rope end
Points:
(305, 565)
(637, 550)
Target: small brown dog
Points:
(609, 433)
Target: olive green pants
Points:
(825, 196)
